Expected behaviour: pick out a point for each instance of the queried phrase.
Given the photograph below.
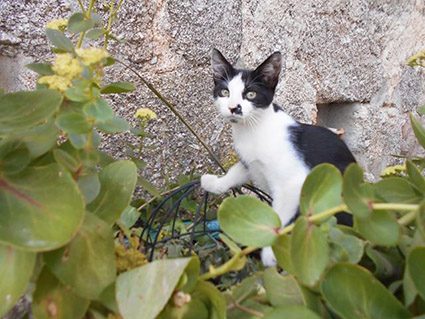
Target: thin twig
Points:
(174, 110)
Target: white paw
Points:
(267, 257)
(211, 184)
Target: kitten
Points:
(274, 150)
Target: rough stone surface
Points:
(344, 66)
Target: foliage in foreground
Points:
(60, 198)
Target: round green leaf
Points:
(249, 221)
(16, 160)
(354, 293)
(41, 68)
(16, 267)
(22, 110)
(117, 182)
(117, 87)
(415, 264)
(98, 110)
(95, 33)
(357, 195)
(212, 299)
(292, 312)
(53, 300)
(321, 190)
(79, 23)
(282, 251)
(380, 228)
(141, 284)
(282, 290)
(352, 245)
(59, 40)
(44, 204)
(74, 123)
(87, 263)
(309, 251)
(113, 125)
(420, 219)
(89, 186)
(77, 93)
(40, 139)
(66, 160)
(418, 129)
(415, 176)
(396, 190)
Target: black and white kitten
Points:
(275, 151)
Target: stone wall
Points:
(344, 66)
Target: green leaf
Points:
(44, 203)
(23, 110)
(109, 61)
(420, 219)
(65, 160)
(77, 94)
(114, 125)
(79, 23)
(386, 264)
(292, 312)
(97, 18)
(117, 182)
(41, 68)
(99, 110)
(142, 284)
(380, 228)
(321, 190)
(212, 298)
(309, 251)
(415, 265)
(107, 298)
(87, 263)
(148, 186)
(16, 267)
(60, 41)
(74, 123)
(367, 297)
(418, 129)
(409, 289)
(281, 290)
(53, 300)
(415, 176)
(282, 251)
(95, 33)
(249, 221)
(117, 87)
(357, 196)
(15, 160)
(396, 190)
(351, 244)
(79, 141)
(89, 186)
(40, 139)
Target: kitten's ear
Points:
(269, 70)
(221, 68)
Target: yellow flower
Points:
(91, 55)
(393, 170)
(67, 66)
(55, 82)
(58, 24)
(145, 114)
(417, 60)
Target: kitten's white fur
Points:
(261, 139)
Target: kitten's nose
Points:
(236, 110)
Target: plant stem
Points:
(108, 28)
(248, 310)
(405, 220)
(174, 110)
(87, 14)
(82, 7)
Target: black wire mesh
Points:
(168, 211)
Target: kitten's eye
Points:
(224, 93)
(251, 95)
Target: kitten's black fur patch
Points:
(317, 145)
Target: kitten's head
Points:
(240, 95)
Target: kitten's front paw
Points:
(211, 184)
(267, 257)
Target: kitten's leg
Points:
(285, 204)
(237, 175)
